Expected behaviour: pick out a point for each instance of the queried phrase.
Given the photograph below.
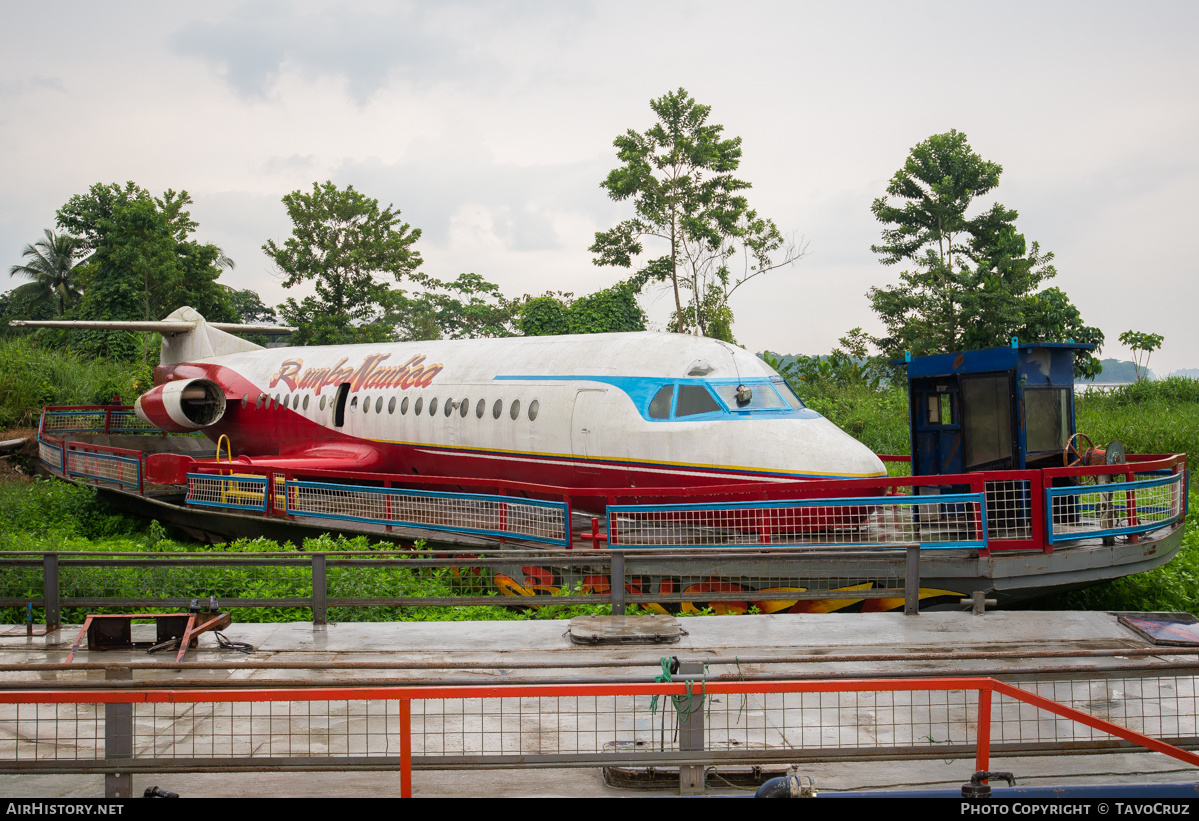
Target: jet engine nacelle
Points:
(186, 405)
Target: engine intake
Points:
(186, 405)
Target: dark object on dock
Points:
(159, 792)
(975, 788)
(173, 630)
(625, 630)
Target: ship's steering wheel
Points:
(1074, 454)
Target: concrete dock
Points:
(514, 747)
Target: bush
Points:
(33, 376)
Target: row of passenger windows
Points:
(449, 406)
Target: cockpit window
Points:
(694, 399)
(761, 397)
(659, 406)
(789, 394)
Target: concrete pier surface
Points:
(858, 740)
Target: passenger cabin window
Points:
(433, 406)
(659, 406)
(694, 399)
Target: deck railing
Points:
(984, 511)
(690, 723)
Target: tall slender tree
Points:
(973, 280)
(51, 264)
(679, 176)
(344, 243)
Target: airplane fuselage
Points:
(603, 410)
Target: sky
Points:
(489, 125)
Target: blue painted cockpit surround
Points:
(641, 390)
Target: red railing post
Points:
(387, 504)
(1130, 505)
(982, 749)
(405, 748)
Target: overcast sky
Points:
(490, 126)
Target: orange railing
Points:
(985, 688)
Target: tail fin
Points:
(186, 336)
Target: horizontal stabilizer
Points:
(186, 336)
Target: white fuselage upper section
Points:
(654, 402)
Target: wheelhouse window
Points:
(1046, 419)
(659, 406)
(789, 394)
(762, 396)
(694, 399)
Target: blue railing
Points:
(935, 522)
(1112, 509)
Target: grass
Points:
(33, 376)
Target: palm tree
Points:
(51, 266)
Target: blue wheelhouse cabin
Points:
(1007, 408)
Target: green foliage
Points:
(679, 176)
(48, 508)
(612, 310)
(974, 279)
(341, 240)
(1160, 416)
(846, 388)
(144, 263)
(33, 375)
(51, 263)
(470, 307)
(1142, 344)
(1171, 588)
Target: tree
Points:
(974, 279)
(144, 263)
(612, 310)
(249, 307)
(341, 240)
(679, 175)
(51, 265)
(469, 307)
(1142, 344)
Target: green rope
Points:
(684, 705)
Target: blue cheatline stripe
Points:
(560, 507)
(1118, 487)
(240, 480)
(854, 501)
(113, 457)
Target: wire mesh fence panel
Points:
(107, 467)
(766, 582)
(463, 513)
(579, 725)
(97, 582)
(21, 582)
(944, 521)
(236, 492)
(126, 421)
(51, 454)
(1165, 707)
(80, 421)
(1009, 509)
(1114, 508)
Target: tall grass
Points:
(1148, 417)
(33, 376)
